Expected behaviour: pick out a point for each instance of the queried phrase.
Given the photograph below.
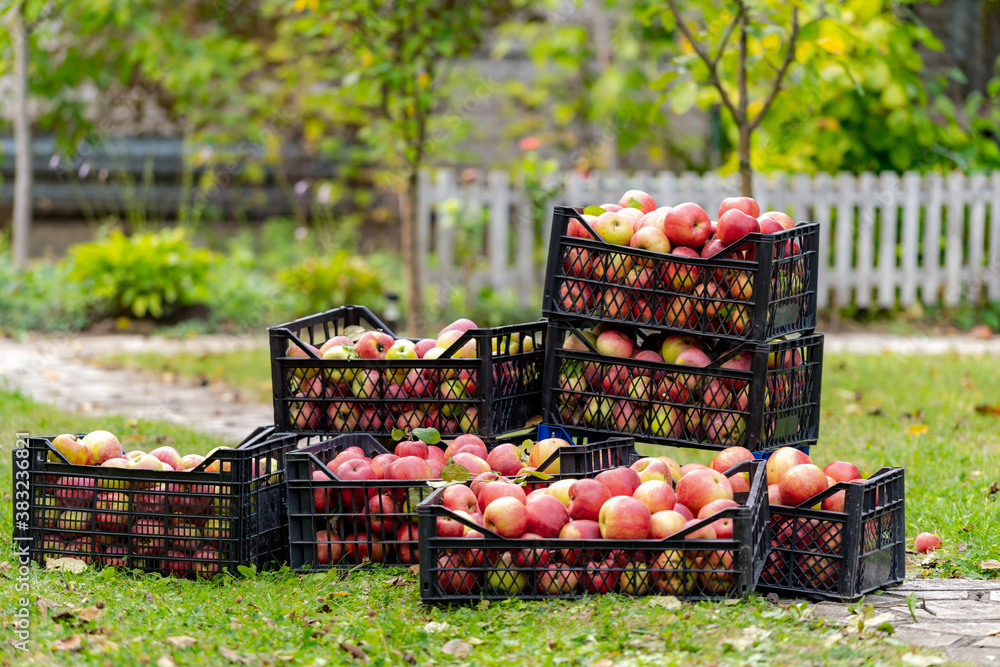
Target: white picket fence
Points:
(885, 239)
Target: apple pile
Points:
(715, 302)
(419, 383)
(125, 520)
(793, 480)
(662, 404)
(640, 502)
(388, 513)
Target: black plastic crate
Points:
(496, 390)
(772, 294)
(320, 537)
(686, 406)
(462, 570)
(181, 523)
(840, 555)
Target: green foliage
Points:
(335, 280)
(41, 298)
(150, 274)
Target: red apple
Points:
(382, 512)
(546, 516)
(586, 497)
(801, 483)
(687, 224)
(455, 576)
(678, 276)
(355, 470)
(926, 542)
(774, 495)
(652, 239)
(557, 580)
(415, 448)
(408, 467)
(621, 481)
(600, 577)
(744, 204)
(473, 448)
(505, 459)
(507, 517)
(735, 224)
(665, 523)
(328, 548)
(494, 490)
(645, 202)
(461, 441)
(471, 462)
(406, 543)
(782, 219)
(657, 495)
(683, 511)
(730, 457)
(782, 460)
(650, 469)
(700, 487)
(652, 219)
(460, 497)
(381, 464)
(842, 471)
(482, 479)
(542, 450)
(624, 518)
(582, 529)
(703, 533)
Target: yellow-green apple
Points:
(613, 343)
(358, 550)
(328, 548)
(560, 490)
(471, 462)
(706, 532)
(557, 580)
(681, 277)
(506, 516)
(725, 429)
(665, 523)
(542, 450)
(657, 495)
(71, 521)
(504, 575)
(493, 490)
(802, 482)
(366, 383)
(469, 420)
(637, 199)
(434, 353)
(700, 487)
(449, 338)
(926, 542)
(735, 224)
(746, 205)
(673, 573)
(842, 471)
(109, 483)
(673, 346)
(505, 459)
(706, 298)
(586, 497)
(546, 515)
(102, 446)
(75, 491)
(341, 353)
(650, 238)
(578, 529)
(716, 577)
(374, 345)
(783, 460)
(622, 481)
(298, 351)
(664, 421)
(636, 579)
(613, 228)
(739, 318)
(72, 449)
(460, 497)
(402, 349)
(624, 518)
(650, 468)
(687, 224)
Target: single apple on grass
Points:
(926, 543)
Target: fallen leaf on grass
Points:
(989, 409)
(414, 569)
(918, 430)
(990, 564)
(354, 651)
(475, 641)
(435, 626)
(71, 643)
(397, 581)
(668, 602)
(4, 566)
(457, 647)
(181, 641)
(233, 656)
(100, 643)
(88, 614)
(534, 421)
(74, 565)
(63, 615)
(994, 488)
(922, 660)
(165, 661)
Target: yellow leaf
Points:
(772, 42)
(832, 43)
(917, 429)
(302, 4)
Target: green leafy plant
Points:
(41, 298)
(336, 280)
(148, 274)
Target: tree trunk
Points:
(607, 137)
(22, 139)
(746, 173)
(413, 292)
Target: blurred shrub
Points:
(145, 274)
(339, 279)
(245, 299)
(41, 298)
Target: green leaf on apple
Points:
(414, 496)
(397, 434)
(593, 210)
(428, 436)
(634, 203)
(535, 473)
(452, 472)
(525, 447)
(440, 484)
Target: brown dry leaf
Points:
(990, 564)
(4, 566)
(233, 656)
(414, 569)
(354, 651)
(88, 614)
(71, 643)
(181, 641)
(397, 581)
(74, 565)
(63, 614)
(457, 647)
(668, 602)
(985, 409)
(994, 488)
(534, 421)
(97, 642)
(165, 661)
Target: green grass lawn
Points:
(875, 410)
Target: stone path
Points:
(55, 370)
(964, 626)
(958, 617)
